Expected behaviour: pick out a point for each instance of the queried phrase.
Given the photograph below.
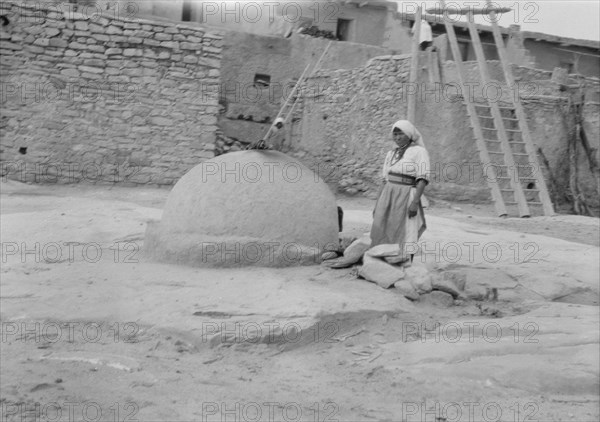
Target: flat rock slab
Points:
(380, 272)
(438, 299)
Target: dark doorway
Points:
(343, 29)
(186, 14)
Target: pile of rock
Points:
(225, 144)
(314, 31)
(418, 283)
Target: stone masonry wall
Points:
(104, 99)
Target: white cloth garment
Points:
(425, 34)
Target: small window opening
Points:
(531, 185)
(23, 150)
(568, 66)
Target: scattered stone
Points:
(458, 278)
(481, 283)
(329, 255)
(346, 241)
(406, 289)
(357, 249)
(438, 299)
(419, 278)
(445, 285)
(380, 272)
(39, 387)
(474, 291)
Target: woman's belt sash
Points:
(402, 179)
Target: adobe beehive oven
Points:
(246, 208)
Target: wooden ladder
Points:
(501, 132)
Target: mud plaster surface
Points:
(364, 353)
(246, 208)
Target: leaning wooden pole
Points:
(414, 69)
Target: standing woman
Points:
(398, 219)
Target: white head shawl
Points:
(410, 130)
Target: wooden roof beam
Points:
(464, 11)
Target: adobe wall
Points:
(547, 56)
(247, 109)
(100, 98)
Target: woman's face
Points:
(400, 138)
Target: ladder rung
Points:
(487, 106)
(520, 178)
(516, 142)
(488, 128)
(485, 117)
(492, 140)
(522, 154)
(496, 152)
(534, 203)
(510, 118)
(524, 190)
(513, 130)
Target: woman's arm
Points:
(414, 206)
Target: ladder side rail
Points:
(498, 122)
(414, 67)
(521, 116)
(479, 139)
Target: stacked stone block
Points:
(104, 99)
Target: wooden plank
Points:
(465, 11)
(414, 69)
(498, 122)
(312, 72)
(520, 114)
(479, 139)
(292, 97)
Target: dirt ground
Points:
(93, 331)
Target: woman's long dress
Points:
(393, 234)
